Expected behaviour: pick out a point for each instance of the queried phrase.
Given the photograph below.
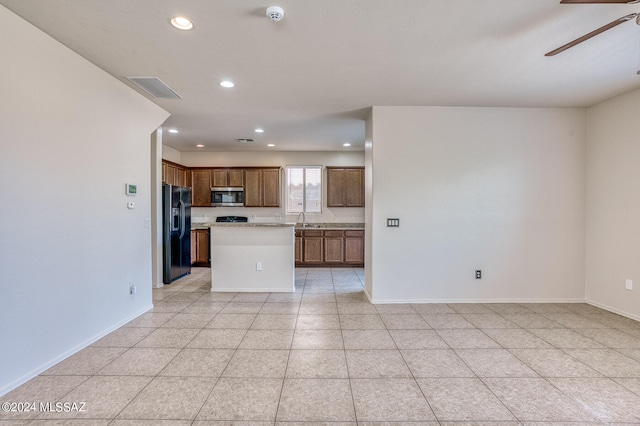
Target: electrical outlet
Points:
(259, 266)
(478, 274)
(628, 284)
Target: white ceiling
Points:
(309, 79)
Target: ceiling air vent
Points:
(246, 140)
(155, 87)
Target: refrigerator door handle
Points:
(183, 214)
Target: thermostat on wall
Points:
(131, 189)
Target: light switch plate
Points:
(393, 222)
(628, 284)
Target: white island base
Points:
(252, 258)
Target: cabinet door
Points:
(271, 188)
(202, 242)
(253, 188)
(333, 247)
(354, 188)
(298, 248)
(194, 246)
(312, 250)
(235, 178)
(181, 177)
(164, 172)
(335, 187)
(170, 177)
(354, 247)
(201, 188)
(219, 178)
(345, 187)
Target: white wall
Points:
(496, 189)
(368, 201)
(171, 154)
(613, 205)
(71, 137)
(275, 159)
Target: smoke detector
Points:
(275, 13)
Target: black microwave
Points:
(227, 197)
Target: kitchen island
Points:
(252, 257)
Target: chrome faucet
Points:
(304, 219)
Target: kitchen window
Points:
(304, 189)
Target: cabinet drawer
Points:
(312, 233)
(354, 233)
(333, 233)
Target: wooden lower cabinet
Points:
(200, 247)
(333, 247)
(298, 248)
(354, 247)
(312, 252)
(329, 248)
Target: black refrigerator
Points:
(176, 232)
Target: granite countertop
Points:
(330, 226)
(310, 226)
(242, 224)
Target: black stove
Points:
(232, 219)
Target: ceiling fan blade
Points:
(599, 1)
(592, 34)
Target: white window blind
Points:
(304, 189)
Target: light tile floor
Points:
(324, 354)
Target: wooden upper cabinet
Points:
(170, 176)
(261, 184)
(335, 187)
(345, 187)
(219, 178)
(253, 188)
(181, 177)
(175, 174)
(225, 178)
(201, 188)
(262, 187)
(235, 178)
(271, 188)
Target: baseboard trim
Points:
(45, 366)
(426, 301)
(366, 293)
(612, 309)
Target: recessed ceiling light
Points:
(346, 144)
(173, 130)
(181, 23)
(200, 145)
(226, 83)
(271, 145)
(259, 130)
